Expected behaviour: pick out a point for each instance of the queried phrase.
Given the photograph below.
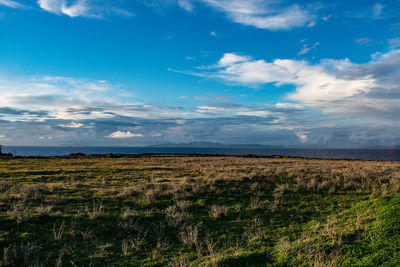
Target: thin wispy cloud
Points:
(12, 4)
(186, 4)
(72, 125)
(377, 10)
(270, 15)
(394, 43)
(82, 8)
(363, 41)
(327, 17)
(306, 48)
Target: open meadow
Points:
(198, 211)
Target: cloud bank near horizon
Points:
(335, 103)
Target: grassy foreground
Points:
(199, 211)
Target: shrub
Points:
(43, 210)
(20, 212)
(175, 217)
(129, 192)
(218, 211)
(189, 235)
(32, 191)
(128, 213)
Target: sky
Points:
(145, 72)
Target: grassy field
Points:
(199, 211)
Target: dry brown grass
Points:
(189, 235)
(175, 190)
(218, 211)
(94, 211)
(309, 174)
(20, 212)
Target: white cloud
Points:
(334, 102)
(62, 97)
(369, 91)
(119, 134)
(287, 105)
(74, 99)
(72, 125)
(302, 136)
(311, 24)
(231, 58)
(81, 8)
(269, 15)
(12, 4)
(326, 18)
(255, 113)
(213, 33)
(226, 109)
(186, 4)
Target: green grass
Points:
(197, 211)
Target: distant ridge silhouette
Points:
(213, 145)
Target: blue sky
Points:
(137, 72)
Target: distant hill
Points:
(382, 147)
(213, 145)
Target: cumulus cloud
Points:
(231, 58)
(316, 84)
(119, 134)
(339, 95)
